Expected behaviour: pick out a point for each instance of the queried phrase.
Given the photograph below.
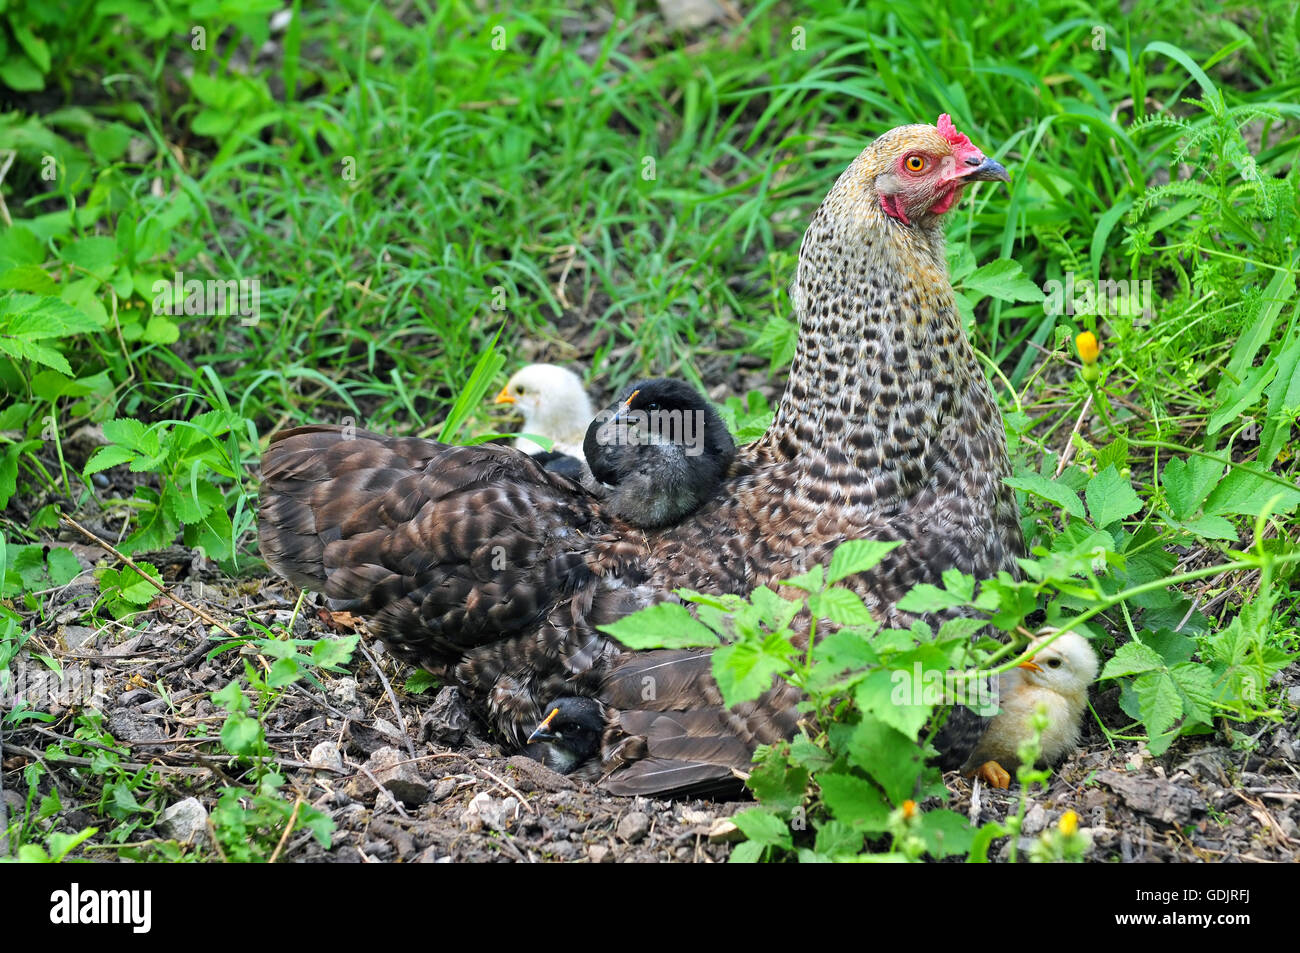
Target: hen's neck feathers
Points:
(882, 363)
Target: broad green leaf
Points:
(666, 625)
(1050, 490)
(744, 670)
(924, 597)
(1002, 279)
(1244, 492)
(945, 833)
(1158, 701)
(1131, 659)
(892, 759)
(858, 555)
(763, 827)
(1111, 498)
(843, 607)
(1188, 482)
(854, 801)
(1195, 684)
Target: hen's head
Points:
(916, 173)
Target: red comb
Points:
(946, 129)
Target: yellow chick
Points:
(1056, 677)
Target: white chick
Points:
(1057, 677)
(554, 404)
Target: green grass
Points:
(631, 201)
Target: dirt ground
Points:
(449, 796)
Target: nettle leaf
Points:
(945, 833)
(1173, 647)
(1050, 490)
(837, 839)
(778, 783)
(844, 649)
(744, 670)
(842, 607)
(854, 802)
(858, 555)
(764, 827)
(891, 758)
(1002, 279)
(1247, 493)
(811, 581)
(1188, 482)
(1212, 527)
(333, 654)
(667, 625)
(1159, 703)
(1111, 498)
(1133, 658)
(775, 612)
(1195, 683)
(927, 598)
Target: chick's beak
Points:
(543, 731)
(987, 170)
(626, 405)
(1029, 664)
(505, 397)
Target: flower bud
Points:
(1088, 348)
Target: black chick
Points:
(661, 451)
(570, 734)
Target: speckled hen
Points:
(476, 557)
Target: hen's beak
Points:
(986, 170)
(1029, 664)
(543, 731)
(505, 396)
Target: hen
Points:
(478, 558)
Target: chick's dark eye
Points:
(914, 163)
(1054, 663)
(519, 388)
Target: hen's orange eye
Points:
(914, 163)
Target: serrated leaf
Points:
(744, 670)
(1212, 527)
(858, 555)
(1111, 498)
(1196, 685)
(854, 802)
(891, 758)
(1247, 493)
(63, 566)
(945, 833)
(924, 598)
(1188, 482)
(1002, 279)
(1133, 658)
(843, 607)
(844, 649)
(1158, 701)
(241, 735)
(763, 827)
(666, 625)
(1050, 490)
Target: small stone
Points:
(388, 730)
(1293, 695)
(326, 755)
(183, 821)
(1035, 820)
(487, 811)
(391, 769)
(633, 827)
(343, 691)
(724, 830)
(600, 854)
(696, 817)
(443, 789)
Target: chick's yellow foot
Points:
(994, 775)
